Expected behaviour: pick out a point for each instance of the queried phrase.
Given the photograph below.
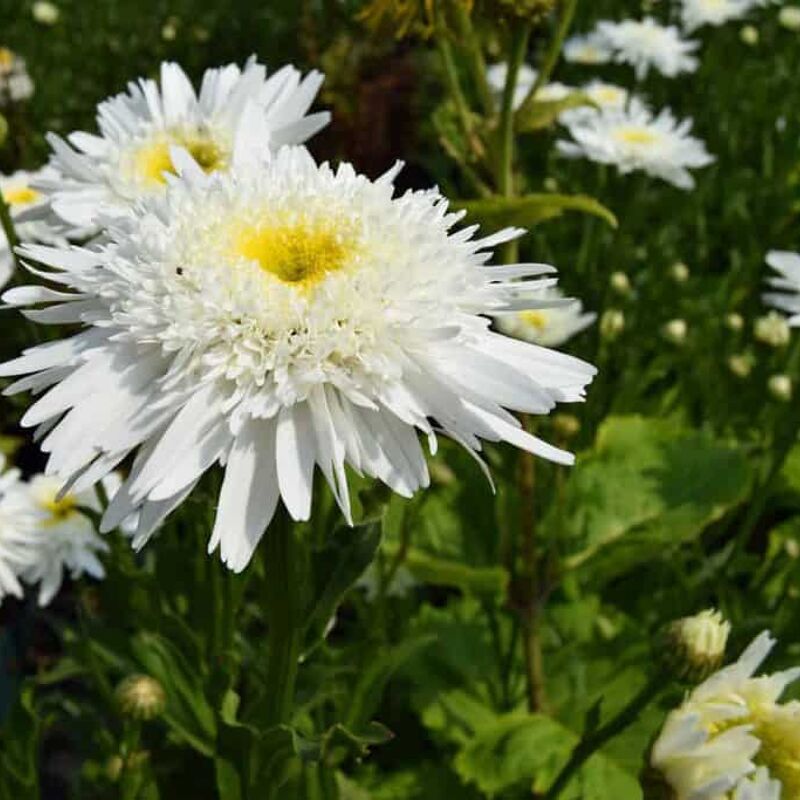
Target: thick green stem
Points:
(284, 618)
(551, 59)
(591, 743)
(475, 59)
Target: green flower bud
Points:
(141, 697)
(694, 647)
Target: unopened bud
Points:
(772, 329)
(734, 321)
(141, 697)
(694, 647)
(612, 323)
(780, 387)
(741, 364)
(789, 17)
(566, 425)
(679, 272)
(45, 13)
(620, 282)
(749, 35)
(675, 331)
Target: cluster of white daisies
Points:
(238, 304)
(731, 738)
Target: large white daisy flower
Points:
(130, 159)
(787, 264)
(633, 138)
(647, 45)
(31, 215)
(275, 319)
(54, 531)
(549, 327)
(728, 725)
(697, 13)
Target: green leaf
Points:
(335, 567)
(541, 114)
(494, 213)
(3, 130)
(519, 750)
(647, 486)
(442, 572)
(19, 750)
(187, 712)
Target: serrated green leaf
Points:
(494, 213)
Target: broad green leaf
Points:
(646, 487)
(494, 213)
(521, 749)
(544, 113)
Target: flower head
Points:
(590, 49)
(696, 645)
(274, 319)
(728, 726)
(787, 265)
(141, 697)
(15, 555)
(236, 113)
(772, 329)
(550, 327)
(634, 139)
(697, 13)
(15, 82)
(647, 45)
(789, 17)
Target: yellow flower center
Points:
(20, 195)
(299, 253)
(6, 58)
(636, 136)
(60, 509)
(153, 161)
(536, 319)
(607, 96)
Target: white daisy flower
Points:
(15, 555)
(697, 13)
(647, 45)
(31, 215)
(274, 319)
(553, 92)
(589, 49)
(758, 786)
(787, 264)
(15, 82)
(548, 327)
(728, 725)
(634, 139)
(56, 533)
(139, 130)
(602, 95)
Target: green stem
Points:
(453, 83)
(590, 744)
(475, 59)
(554, 52)
(284, 618)
(8, 229)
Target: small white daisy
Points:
(590, 49)
(697, 13)
(496, 74)
(728, 725)
(33, 220)
(634, 139)
(549, 327)
(235, 111)
(602, 95)
(15, 555)
(301, 324)
(58, 536)
(15, 82)
(787, 264)
(647, 45)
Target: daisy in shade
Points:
(697, 13)
(33, 220)
(729, 725)
(633, 138)
(101, 175)
(549, 327)
(787, 299)
(590, 49)
(647, 45)
(601, 95)
(312, 320)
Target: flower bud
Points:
(694, 647)
(141, 697)
(741, 364)
(530, 10)
(566, 425)
(780, 387)
(749, 35)
(675, 331)
(620, 283)
(45, 13)
(679, 272)
(734, 321)
(772, 329)
(789, 17)
(612, 323)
